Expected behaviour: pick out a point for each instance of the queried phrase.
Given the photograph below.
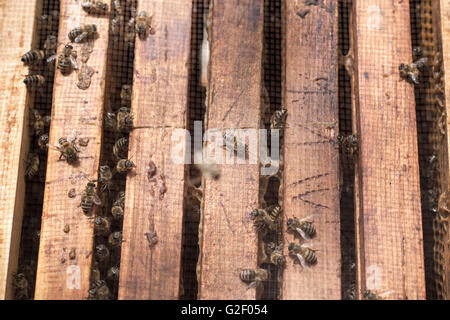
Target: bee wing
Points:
(74, 62)
(72, 136)
(307, 218)
(302, 261)
(81, 37)
(97, 200)
(253, 284)
(303, 234)
(52, 58)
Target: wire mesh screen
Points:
(122, 18)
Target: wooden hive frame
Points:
(388, 216)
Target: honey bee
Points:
(33, 57)
(89, 197)
(66, 60)
(124, 120)
(43, 141)
(118, 7)
(84, 76)
(94, 7)
(118, 205)
(124, 165)
(114, 27)
(369, 295)
(85, 32)
(130, 32)
(120, 148)
(105, 177)
(99, 291)
(21, 286)
(276, 254)
(254, 276)
(304, 228)
(110, 121)
(349, 144)
(115, 239)
(113, 273)
(233, 144)
(39, 123)
(102, 225)
(350, 293)
(305, 255)
(125, 96)
(32, 165)
(278, 119)
(411, 72)
(263, 221)
(34, 81)
(102, 253)
(143, 23)
(69, 150)
(50, 45)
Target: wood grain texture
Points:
(311, 155)
(80, 110)
(441, 19)
(228, 239)
(390, 245)
(160, 89)
(17, 35)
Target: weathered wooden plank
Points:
(18, 35)
(441, 26)
(228, 240)
(389, 241)
(311, 156)
(160, 88)
(80, 110)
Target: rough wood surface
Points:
(311, 155)
(441, 17)
(390, 237)
(229, 241)
(17, 35)
(80, 110)
(160, 89)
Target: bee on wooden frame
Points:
(34, 81)
(411, 72)
(89, 197)
(115, 239)
(68, 148)
(113, 274)
(124, 165)
(124, 120)
(306, 256)
(33, 57)
(275, 254)
(66, 60)
(255, 276)
(94, 7)
(265, 220)
(304, 228)
(84, 76)
(110, 121)
(102, 253)
(278, 119)
(143, 24)
(120, 148)
(83, 33)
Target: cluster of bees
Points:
(108, 241)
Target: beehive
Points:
(380, 216)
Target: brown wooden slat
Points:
(17, 34)
(228, 240)
(389, 241)
(81, 110)
(441, 16)
(160, 89)
(311, 156)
